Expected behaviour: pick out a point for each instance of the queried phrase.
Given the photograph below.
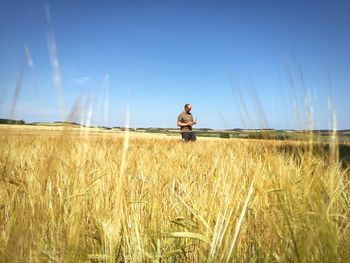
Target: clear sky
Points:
(241, 64)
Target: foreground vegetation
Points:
(105, 198)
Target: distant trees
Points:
(10, 121)
(225, 135)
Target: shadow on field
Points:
(320, 150)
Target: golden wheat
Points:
(82, 197)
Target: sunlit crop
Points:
(81, 197)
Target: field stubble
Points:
(82, 198)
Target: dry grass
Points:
(76, 197)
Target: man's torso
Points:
(185, 117)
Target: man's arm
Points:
(184, 124)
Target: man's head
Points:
(188, 107)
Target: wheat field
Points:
(70, 196)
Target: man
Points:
(185, 122)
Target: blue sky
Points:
(241, 64)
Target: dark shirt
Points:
(185, 117)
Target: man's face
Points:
(188, 108)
